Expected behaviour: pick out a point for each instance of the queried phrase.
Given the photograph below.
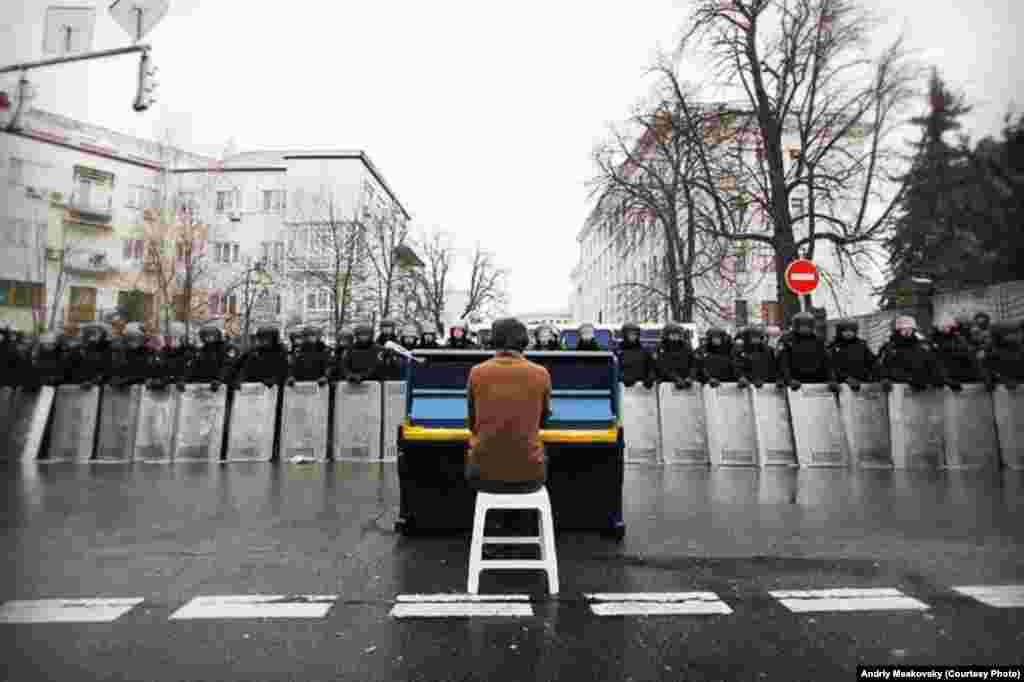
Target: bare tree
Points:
(646, 184)
(326, 255)
(487, 289)
(803, 68)
(250, 292)
(384, 232)
(431, 283)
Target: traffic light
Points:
(144, 97)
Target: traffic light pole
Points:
(75, 58)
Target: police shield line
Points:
(960, 352)
(146, 385)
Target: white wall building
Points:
(70, 185)
(612, 254)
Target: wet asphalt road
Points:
(171, 533)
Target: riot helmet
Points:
(346, 337)
(134, 337)
(804, 325)
(630, 334)
(586, 332)
(94, 334)
(210, 334)
(672, 335)
(388, 329)
(756, 336)
(363, 335)
(904, 327)
(846, 330)
(983, 320)
(410, 335)
(716, 338)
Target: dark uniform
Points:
(93, 362)
(850, 357)
(757, 362)
(214, 361)
(362, 361)
(959, 363)
(803, 357)
(428, 340)
(10, 360)
(390, 365)
(714, 358)
(1005, 362)
(636, 363)
(586, 338)
(674, 359)
(410, 338)
(266, 362)
(907, 359)
(45, 367)
(312, 360)
(133, 363)
(739, 340)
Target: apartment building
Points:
(614, 251)
(83, 207)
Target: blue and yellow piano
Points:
(583, 441)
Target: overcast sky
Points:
(480, 115)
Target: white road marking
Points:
(848, 599)
(461, 609)
(66, 610)
(256, 606)
(436, 598)
(999, 596)
(658, 604)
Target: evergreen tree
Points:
(933, 237)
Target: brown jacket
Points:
(509, 398)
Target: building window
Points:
(15, 175)
(225, 252)
(133, 249)
(225, 201)
(273, 200)
(187, 202)
(797, 205)
(146, 198)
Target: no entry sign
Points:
(802, 276)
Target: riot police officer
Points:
(714, 358)
(636, 363)
(545, 339)
(362, 361)
(312, 360)
(133, 364)
(803, 357)
(850, 358)
(674, 360)
(757, 362)
(213, 362)
(267, 361)
(459, 339)
(907, 359)
(587, 339)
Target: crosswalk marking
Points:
(256, 606)
(452, 609)
(447, 597)
(999, 596)
(66, 610)
(657, 604)
(847, 599)
(454, 605)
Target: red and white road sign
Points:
(802, 276)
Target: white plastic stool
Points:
(548, 562)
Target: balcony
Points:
(90, 210)
(91, 261)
